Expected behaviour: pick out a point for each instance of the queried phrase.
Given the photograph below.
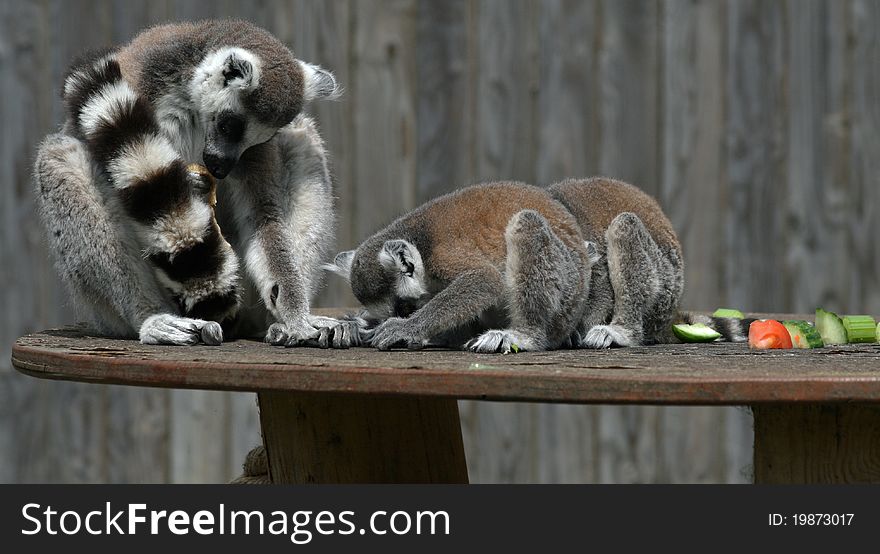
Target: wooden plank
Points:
(244, 430)
(628, 73)
(690, 448)
(567, 99)
(507, 85)
(865, 150)
(817, 443)
(840, 196)
(756, 148)
(447, 96)
(629, 149)
(383, 85)
(738, 446)
(312, 438)
(707, 374)
(197, 443)
(136, 435)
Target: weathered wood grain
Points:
(315, 438)
(817, 444)
(754, 237)
(383, 100)
(447, 95)
(629, 146)
(755, 123)
(692, 171)
(667, 374)
(865, 150)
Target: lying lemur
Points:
(133, 229)
(505, 266)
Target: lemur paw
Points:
(395, 331)
(605, 336)
(280, 334)
(335, 333)
(176, 330)
(495, 341)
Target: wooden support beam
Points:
(817, 443)
(339, 438)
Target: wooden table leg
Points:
(817, 443)
(336, 438)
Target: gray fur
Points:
(647, 284)
(620, 289)
(546, 286)
(275, 207)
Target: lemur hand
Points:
(396, 331)
(296, 334)
(335, 333)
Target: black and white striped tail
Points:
(171, 206)
(732, 329)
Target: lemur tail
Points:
(170, 205)
(732, 329)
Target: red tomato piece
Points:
(768, 333)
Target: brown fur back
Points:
(467, 226)
(595, 202)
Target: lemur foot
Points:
(393, 332)
(281, 334)
(504, 342)
(321, 332)
(606, 336)
(173, 329)
(335, 333)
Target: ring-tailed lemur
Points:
(134, 230)
(508, 266)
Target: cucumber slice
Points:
(860, 328)
(803, 335)
(697, 332)
(728, 312)
(830, 327)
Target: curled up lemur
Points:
(134, 228)
(505, 266)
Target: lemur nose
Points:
(219, 166)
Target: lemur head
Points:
(245, 92)
(388, 277)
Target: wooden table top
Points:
(701, 374)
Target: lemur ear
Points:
(319, 83)
(399, 255)
(341, 264)
(237, 71)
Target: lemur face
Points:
(390, 283)
(218, 88)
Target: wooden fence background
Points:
(756, 124)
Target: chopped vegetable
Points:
(830, 327)
(860, 328)
(696, 332)
(768, 333)
(803, 335)
(728, 312)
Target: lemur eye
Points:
(231, 127)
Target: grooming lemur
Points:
(508, 266)
(134, 229)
